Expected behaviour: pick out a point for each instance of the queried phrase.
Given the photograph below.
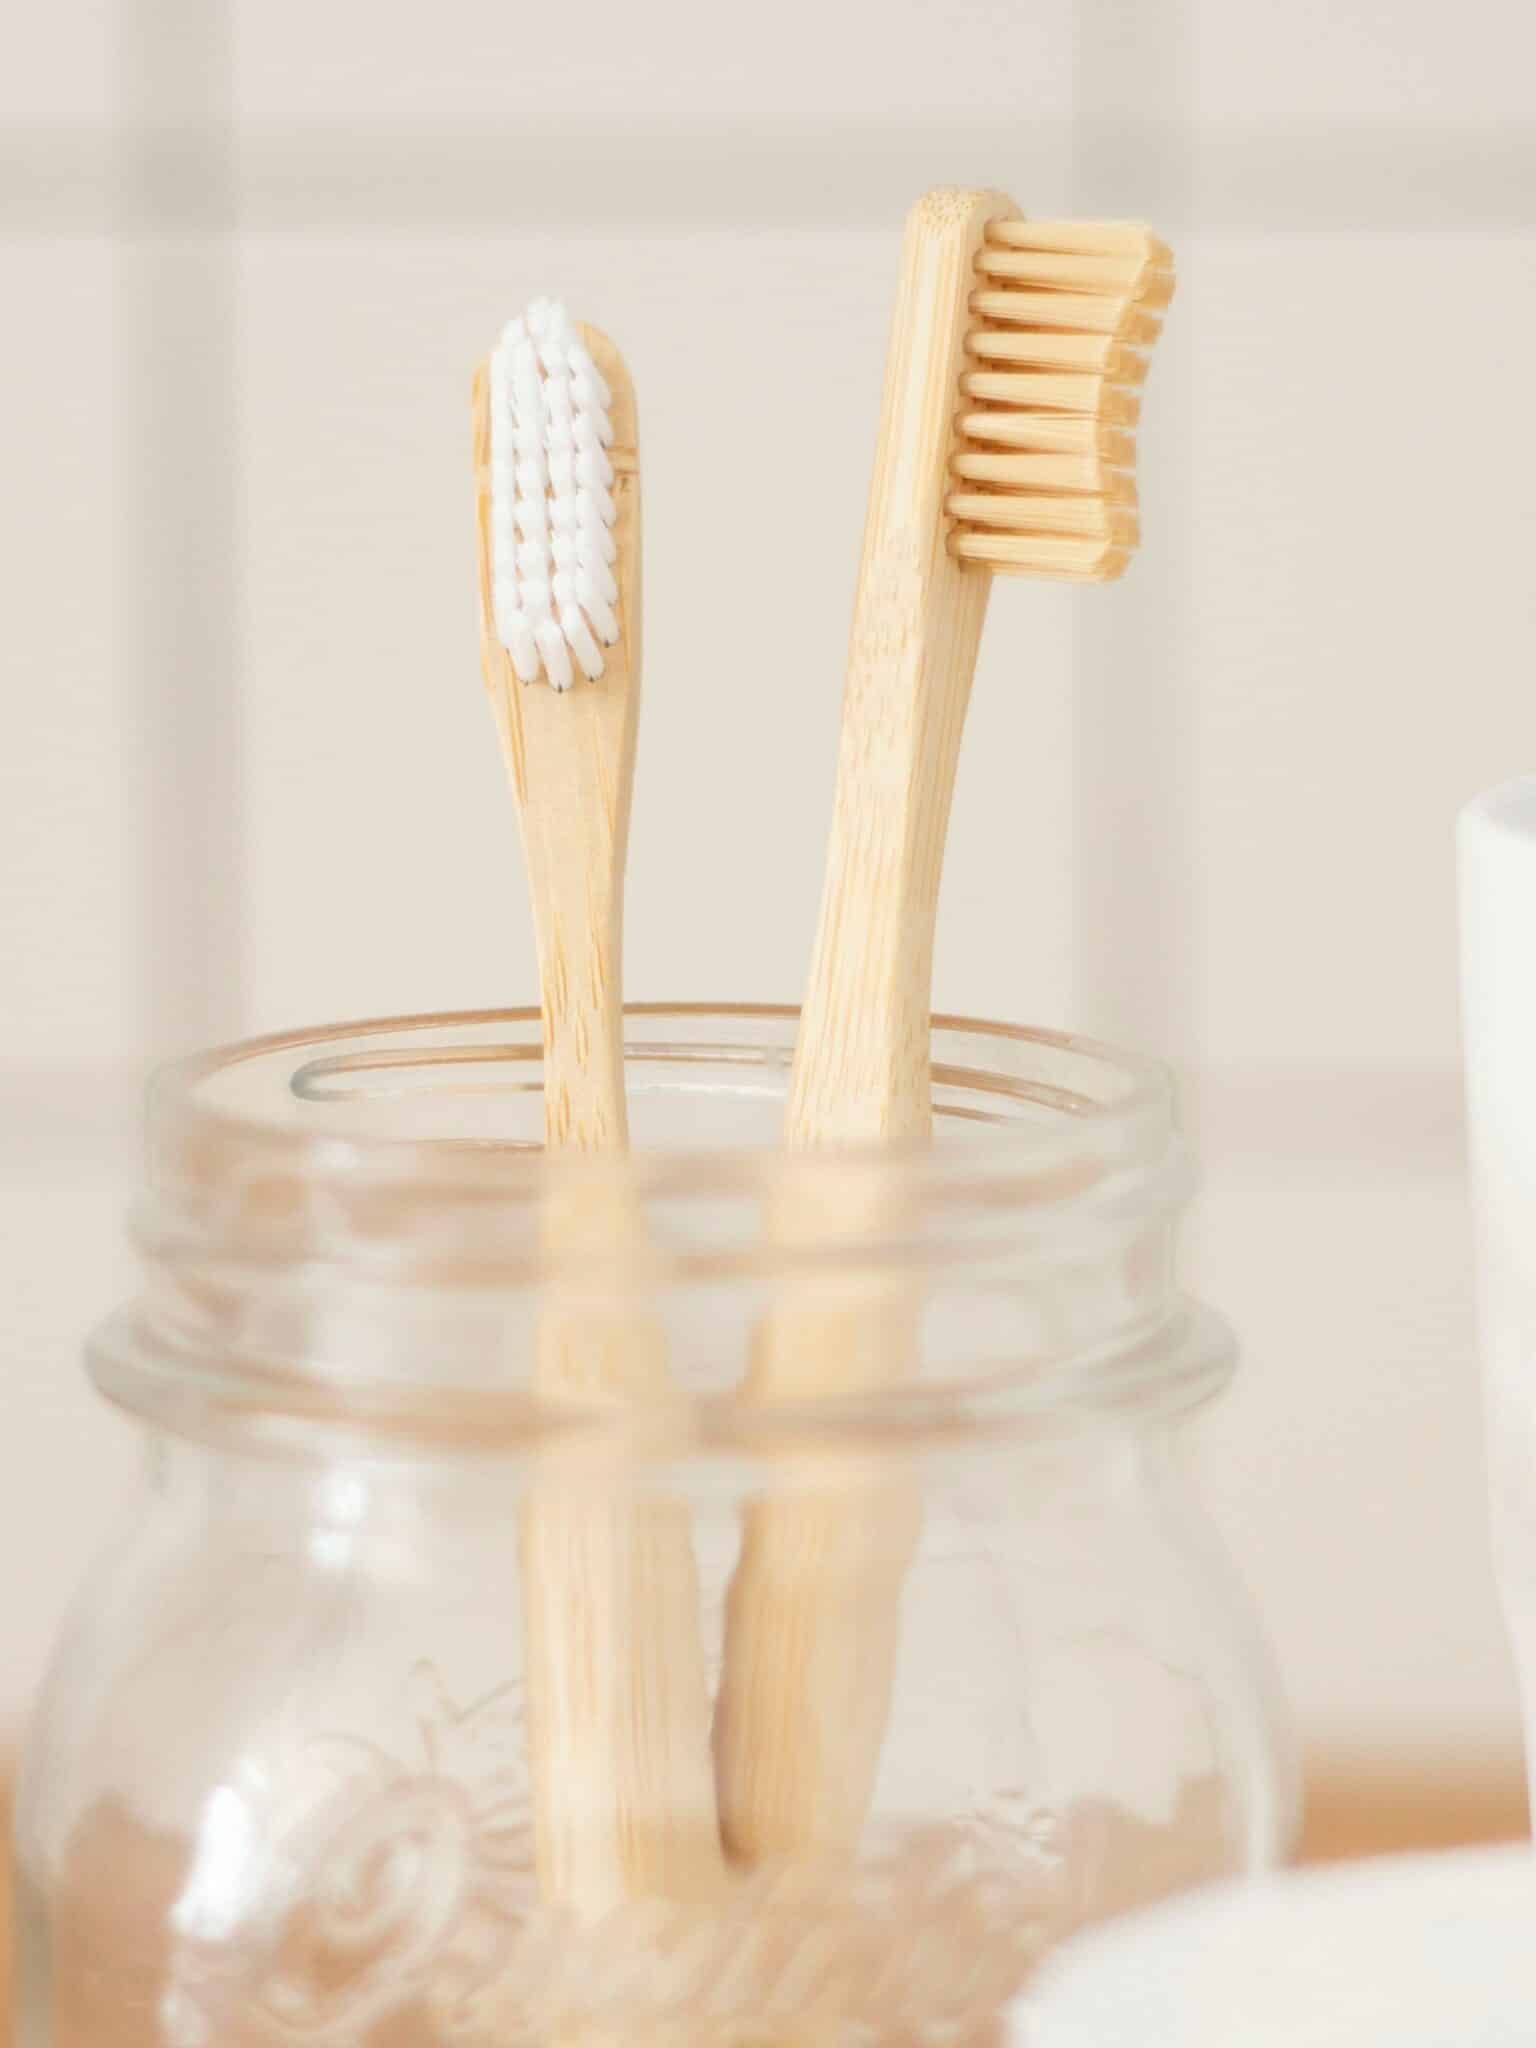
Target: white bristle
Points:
(554, 649)
(553, 592)
(562, 469)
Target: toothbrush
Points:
(618, 1699)
(1005, 446)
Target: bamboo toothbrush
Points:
(618, 1700)
(1016, 351)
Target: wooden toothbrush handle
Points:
(812, 1619)
(570, 757)
(861, 1069)
(618, 1695)
(861, 1063)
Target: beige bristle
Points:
(1028, 472)
(1100, 353)
(1098, 398)
(1041, 554)
(1145, 284)
(1085, 313)
(1066, 312)
(1044, 512)
(1082, 238)
(1047, 433)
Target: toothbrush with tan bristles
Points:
(618, 1700)
(1015, 356)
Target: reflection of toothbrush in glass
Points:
(618, 1703)
(1010, 388)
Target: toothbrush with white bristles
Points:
(552, 508)
(618, 1698)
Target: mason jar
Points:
(421, 1699)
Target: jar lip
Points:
(1120, 1116)
(365, 1215)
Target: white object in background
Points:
(1498, 973)
(1411, 1952)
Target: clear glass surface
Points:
(280, 1784)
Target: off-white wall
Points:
(248, 779)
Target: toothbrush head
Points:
(1043, 468)
(553, 588)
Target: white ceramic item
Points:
(1410, 1952)
(1498, 954)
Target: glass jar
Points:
(297, 1769)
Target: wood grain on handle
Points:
(618, 1697)
(811, 1626)
(861, 1063)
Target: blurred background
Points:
(252, 250)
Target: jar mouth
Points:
(360, 1217)
(453, 1100)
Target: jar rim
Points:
(1129, 1120)
(353, 1219)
